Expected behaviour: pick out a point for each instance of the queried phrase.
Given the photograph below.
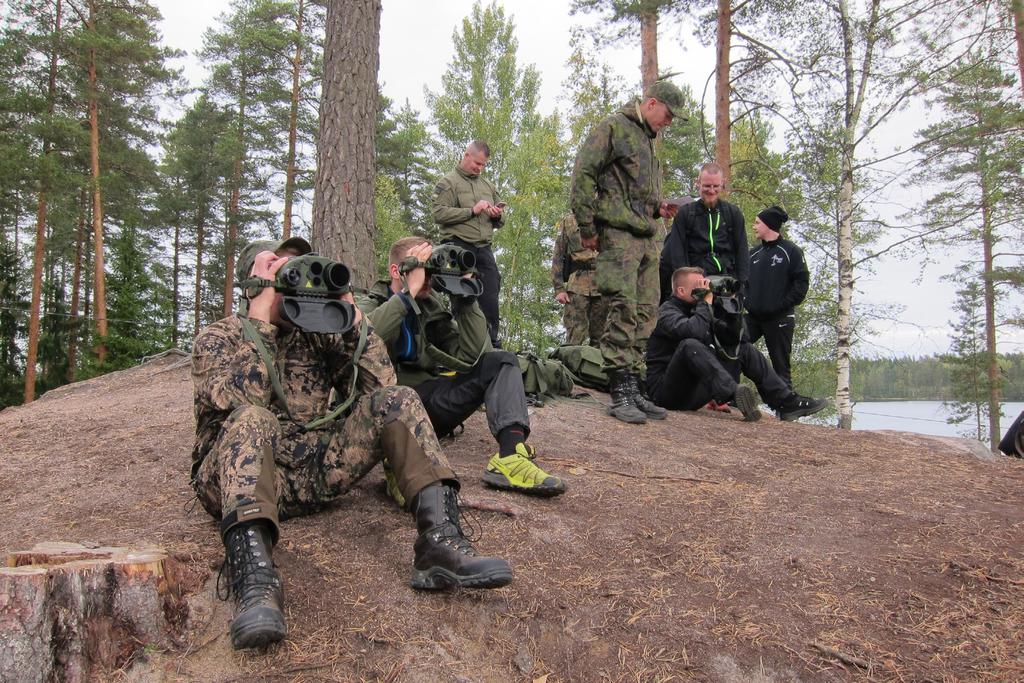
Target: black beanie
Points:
(774, 217)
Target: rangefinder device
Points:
(311, 286)
(446, 268)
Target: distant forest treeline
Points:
(924, 379)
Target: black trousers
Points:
(778, 337)
(697, 374)
(495, 382)
(487, 268)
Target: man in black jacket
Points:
(687, 366)
(778, 284)
(709, 234)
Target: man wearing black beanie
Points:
(778, 284)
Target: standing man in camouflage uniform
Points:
(258, 458)
(466, 207)
(616, 198)
(572, 275)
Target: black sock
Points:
(509, 438)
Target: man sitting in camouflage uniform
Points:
(448, 358)
(572, 276)
(257, 458)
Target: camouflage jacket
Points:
(580, 263)
(617, 179)
(454, 198)
(407, 324)
(228, 373)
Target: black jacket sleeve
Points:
(676, 324)
(674, 252)
(799, 279)
(739, 237)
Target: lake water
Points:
(924, 417)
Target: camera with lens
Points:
(447, 267)
(312, 286)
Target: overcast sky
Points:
(416, 47)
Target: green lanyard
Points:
(712, 227)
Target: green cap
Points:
(671, 96)
(249, 251)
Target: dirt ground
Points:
(701, 548)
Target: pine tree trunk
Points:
(723, 123)
(175, 295)
(200, 238)
(1017, 8)
(99, 285)
(648, 48)
(236, 191)
(31, 353)
(991, 359)
(343, 208)
(293, 123)
(75, 291)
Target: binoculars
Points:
(311, 285)
(446, 267)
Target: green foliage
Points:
(968, 363)
(390, 220)
(403, 145)
(13, 304)
(138, 301)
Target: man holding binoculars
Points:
(271, 444)
(447, 356)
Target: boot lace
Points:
(247, 574)
(451, 534)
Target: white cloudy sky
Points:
(416, 46)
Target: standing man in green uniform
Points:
(466, 207)
(260, 387)
(572, 276)
(616, 198)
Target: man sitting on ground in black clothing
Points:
(686, 366)
(447, 357)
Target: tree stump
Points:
(68, 611)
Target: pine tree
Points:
(250, 68)
(976, 153)
(968, 363)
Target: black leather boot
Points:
(648, 407)
(444, 557)
(623, 403)
(255, 586)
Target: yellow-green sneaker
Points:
(517, 472)
(391, 484)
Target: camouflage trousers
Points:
(583, 318)
(261, 468)
(627, 277)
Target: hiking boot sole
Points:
(497, 480)
(439, 578)
(634, 417)
(747, 403)
(257, 627)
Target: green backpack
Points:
(543, 378)
(585, 363)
